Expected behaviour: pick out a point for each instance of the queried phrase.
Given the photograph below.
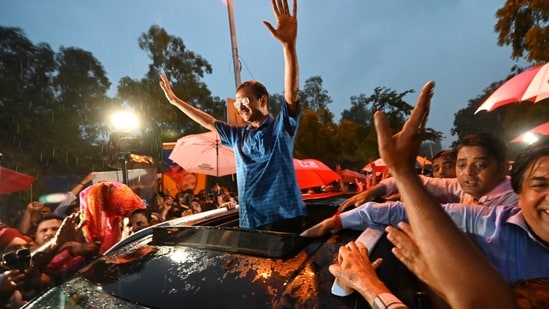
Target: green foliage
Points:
(275, 102)
(51, 108)
(47, 101)
(361, 114)
(55, 106)
(524, 25)
(314, 96)
(164, 122)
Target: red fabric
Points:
(13, 181)
(64, 262)
(103, 206)
(7, 234)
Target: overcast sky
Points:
(354, 45)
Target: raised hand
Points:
(399, 151)
(68, 230)
(286, 32)
(166, 87)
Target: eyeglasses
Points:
(244, 101)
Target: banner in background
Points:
(177, 179)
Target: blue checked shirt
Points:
(266, 180)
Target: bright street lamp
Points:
(125, 121)
(124, 140)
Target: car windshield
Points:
(79, 293)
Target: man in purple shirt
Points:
(481, 169)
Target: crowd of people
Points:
(476, 240)
(476, 235)
(48, 242)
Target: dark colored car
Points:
(207, 261)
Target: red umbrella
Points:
(531, 85)
(380, 165)
(377, 166)
(349, 175)
(313, 173)
(12, 181)
(203, 154)
(542, 129)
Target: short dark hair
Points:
(49, 217)
(494, 146)
(258, 88)
(145, 212)
(446, 153)
(526, 158)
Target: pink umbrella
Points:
(313, 173)
(12, 181)
(531, 85)
(203, 154)
(542, 129)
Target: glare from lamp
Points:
(125, 121)
(529, 138)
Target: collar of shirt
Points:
(504, 187)
(264, 123)
(488, 199)
(518, 220)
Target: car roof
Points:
(208, 261)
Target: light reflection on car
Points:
(206, 261)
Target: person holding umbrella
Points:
(269, 196)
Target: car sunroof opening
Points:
(252, 242)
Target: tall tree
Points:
(50, 104)
(314, 96)
(186, 70)
(524, 25)
(361, 113)
(316, 137)
(78, 119)
(26, 96)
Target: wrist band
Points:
(387, 301)
(337, 221)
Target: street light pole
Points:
(236, 62)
